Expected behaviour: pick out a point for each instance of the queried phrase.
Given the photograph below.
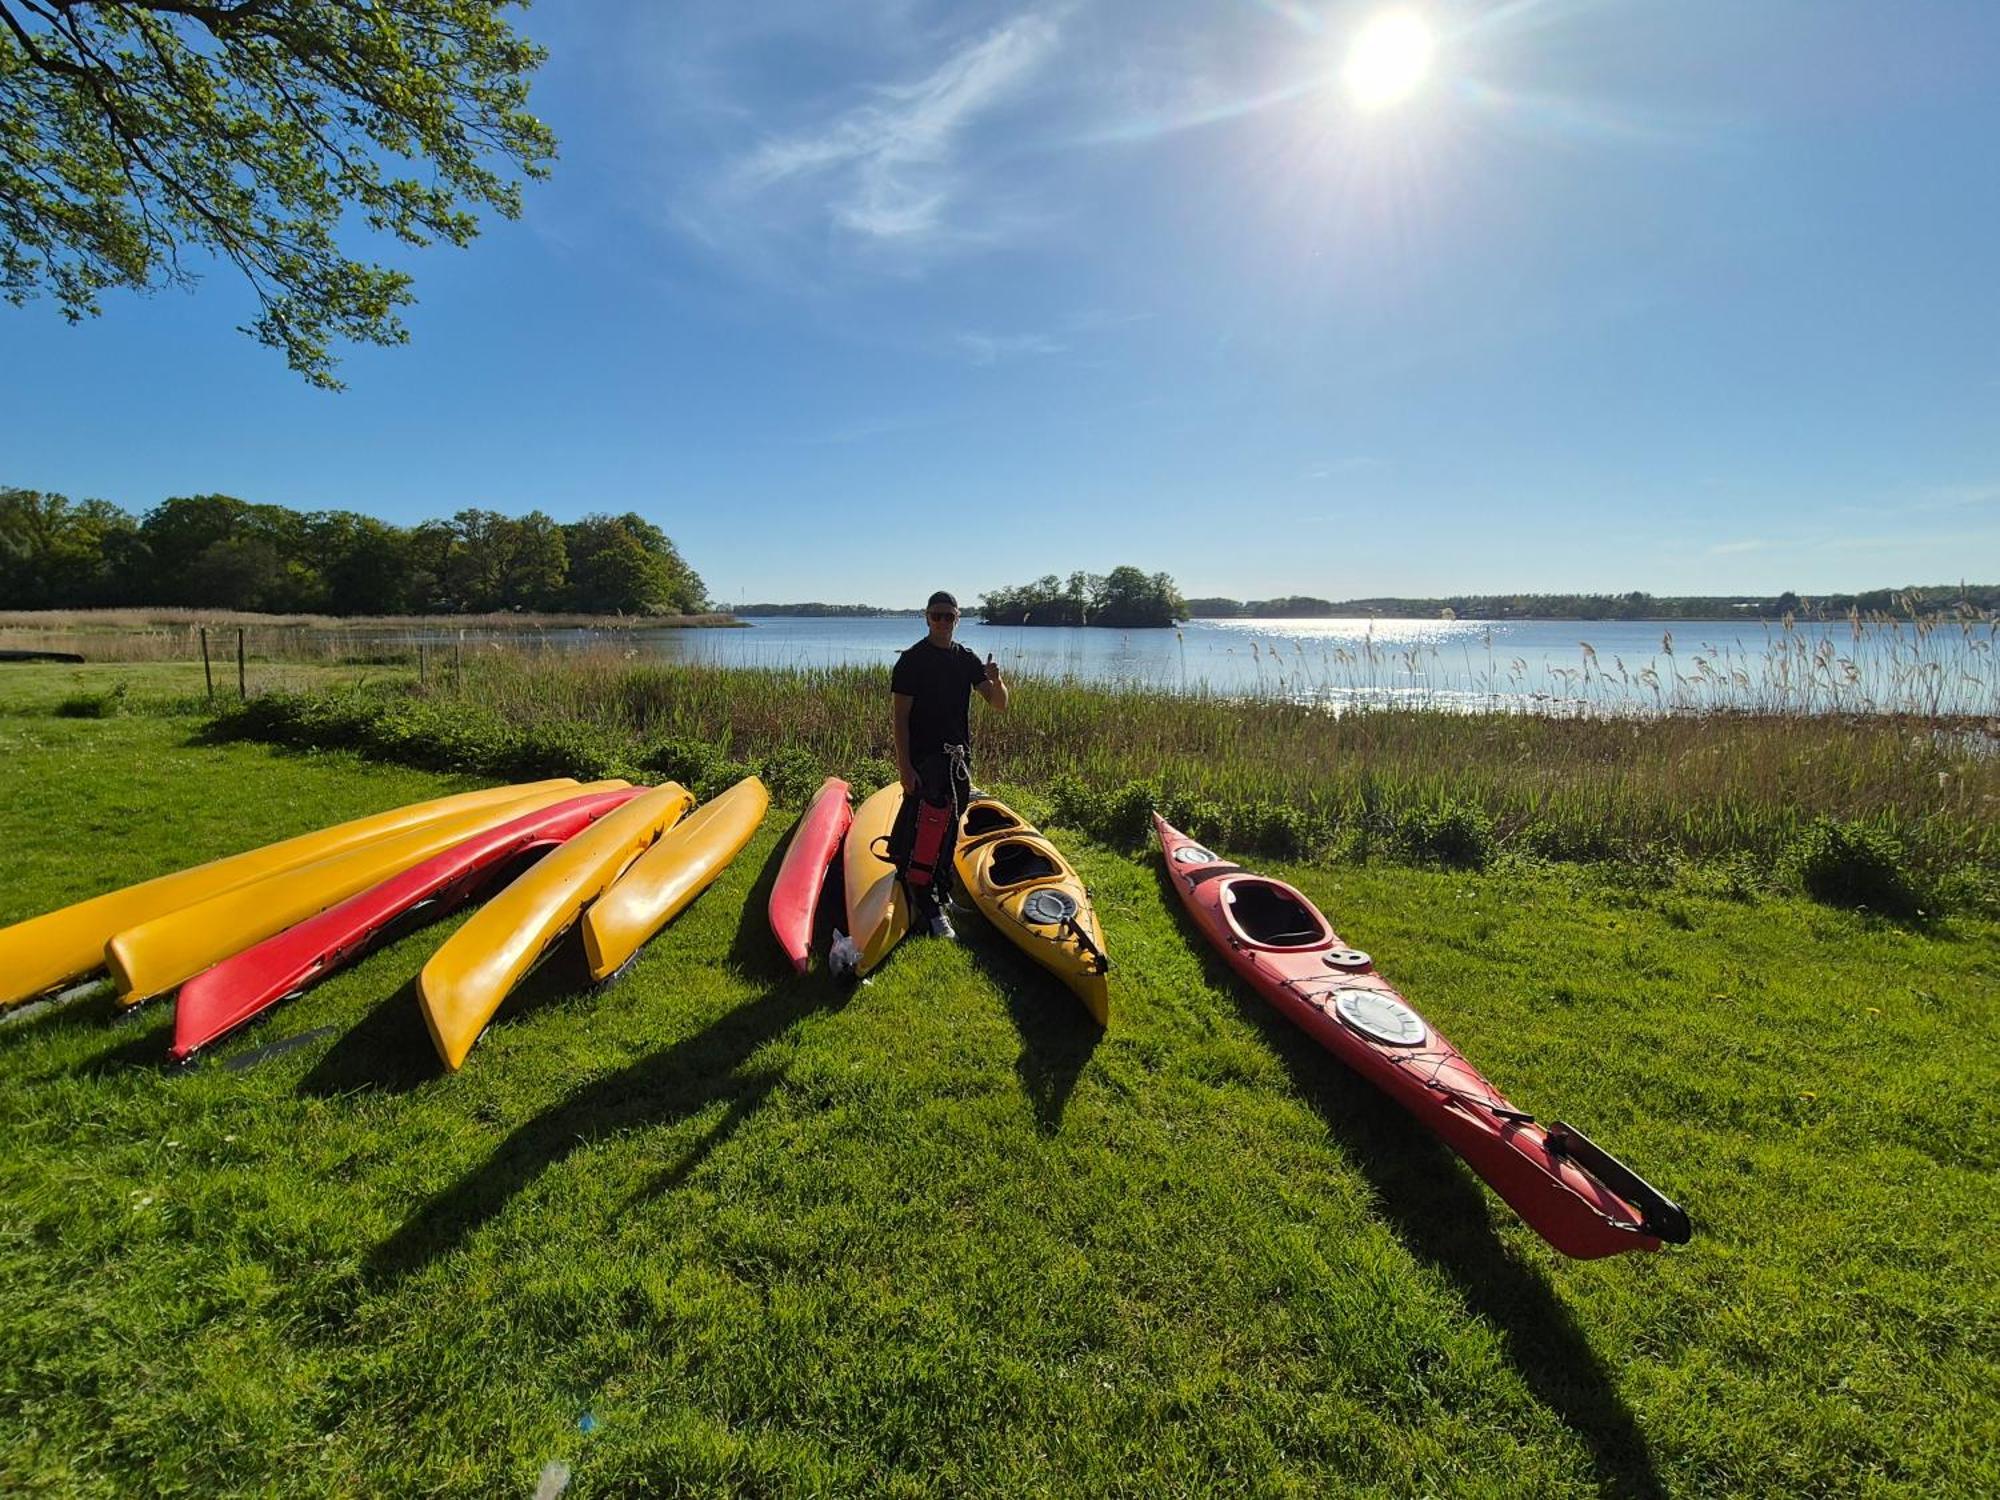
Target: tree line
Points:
(1941, 599)
(1125, 598)
(216, 551)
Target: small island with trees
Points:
(1125, 599)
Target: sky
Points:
(861, 300)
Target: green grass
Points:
(936, 1236)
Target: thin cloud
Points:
(1353, 463)
(1959, 497)
(1729, 549)
(890, 169)
(991, 348)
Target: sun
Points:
(1388, 60)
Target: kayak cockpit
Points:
(1267, 914)
(984, 819)
(1016, 862)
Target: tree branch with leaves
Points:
(135, 131)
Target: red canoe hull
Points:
(217, 1001)
(1334, 995)
(795, 895)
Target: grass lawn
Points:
(716, 1229)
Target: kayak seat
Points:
(1270, 915)
(987, 818)
(1015, 861)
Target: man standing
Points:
(932, 690)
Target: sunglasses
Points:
(942, 615)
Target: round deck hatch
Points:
(1347, 958)
(1048, 907)
(1193, 854)
(1380, 1017)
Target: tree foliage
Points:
(216, 551)
(137, 134)
(1126, 598)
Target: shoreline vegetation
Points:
(174, 634)
(1889, 812)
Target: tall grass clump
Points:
(1850, 864)
(105, 705)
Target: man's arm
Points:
(905, 768)
(994, 688)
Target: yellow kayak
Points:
(156, 956)
(468, 977)
(45, 952)
(1028, 891)
(669, 875)
(878, 908)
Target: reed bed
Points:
(1916, 665)
(165, 634)
(1702, 783)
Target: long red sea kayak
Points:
(1577, 1196)
(795, 896)
(218, 1000)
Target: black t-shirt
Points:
(939, 683)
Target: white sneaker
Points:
(941, 927)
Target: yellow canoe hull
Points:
(1024, 886)
(467, 978)
(663, 880)
(160, 955)
(878, 908)
(45, 952)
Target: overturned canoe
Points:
(878, 908)
(1575, 1194)
(663, 880)
(159, 955)
(1024, 887)
(217, 1001)
(795, 894)
(46, 952)
(467, 978)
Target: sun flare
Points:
(1388, 60)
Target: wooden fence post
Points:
(423, 671)
(242, 678)
(207, 672)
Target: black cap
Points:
(941, 597)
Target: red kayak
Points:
(1577, 1196)
(795, 896)
(218, 1000)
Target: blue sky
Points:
(858, 300)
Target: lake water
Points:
(1587, 665)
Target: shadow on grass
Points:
(97, 1007)
(1058, 1035)
(754, 952)
(389, 1050)
(1442, 1216)
(664, 1087)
